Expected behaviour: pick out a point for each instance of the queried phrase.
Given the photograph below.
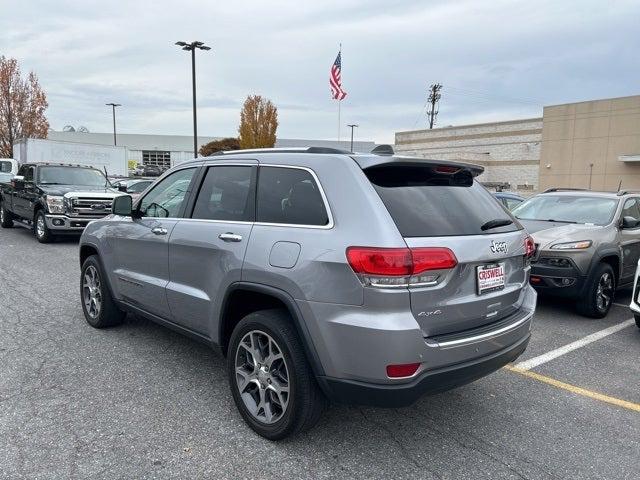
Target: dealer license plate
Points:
(490, 278)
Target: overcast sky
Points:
(497, 60)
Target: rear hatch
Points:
(442, 206)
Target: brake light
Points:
(447, 169)
(529, 247)
(399, 267)
(404, 370)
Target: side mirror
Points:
(18, 182)
(122, 205)
(122, 188)
(629, 222)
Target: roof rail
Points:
(383, 150)
(626, 192)
(283, 150)
(560, 189)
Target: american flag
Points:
(335, 80)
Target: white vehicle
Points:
(111, 158)
(8, 165)
(635, 297)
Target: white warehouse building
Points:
(168, 150)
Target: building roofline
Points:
(591, 101)
(473, 125)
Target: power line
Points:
(492, 96)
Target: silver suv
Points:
(321, 275)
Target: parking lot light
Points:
(192, 47)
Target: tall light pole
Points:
(352, 126)
(113, 110)
(191, 47)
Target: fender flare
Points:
(597, 258)
(294, 311)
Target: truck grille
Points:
(90, 207)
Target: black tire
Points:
(40, 228)
(637, 317)
(107, 314)
(590, 305)
(6, 219)
(306, 401)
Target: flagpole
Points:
(339, 100)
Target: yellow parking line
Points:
(577, 390)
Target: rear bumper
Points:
(65, 224)
(430, 382)
(355, 345)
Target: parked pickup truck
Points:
(55, 198)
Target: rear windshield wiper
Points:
(498, 222)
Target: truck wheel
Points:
(40, 229)
(271, 381)
(6, 219)
(97, 303)
(599, 293)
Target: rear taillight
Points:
(399, 267)
(529, 247)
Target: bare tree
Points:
(22, 106)
(258, 123)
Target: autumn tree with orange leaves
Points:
(258, 123)
(22, 107)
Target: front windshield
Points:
(72, 176)
(5, 166)
(566, 208)
(5, 177)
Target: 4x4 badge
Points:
(498, 247)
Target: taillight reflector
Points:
(399, 261)
(529, 247)
(404, 370)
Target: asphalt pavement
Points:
(140, 401)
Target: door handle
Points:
(230, 237)
(159, 230)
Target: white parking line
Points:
(546, 357)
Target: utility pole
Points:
(113, 110)
(192, 47)
(434, 98)
(352, 126)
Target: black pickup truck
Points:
(55, 198)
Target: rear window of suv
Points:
(425, 202)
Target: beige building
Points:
(509, 151)
(593, 144)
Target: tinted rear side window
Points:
(227, 193)
(291, 196)
(427, 203)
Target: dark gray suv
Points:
(321, 275)
(588, 244)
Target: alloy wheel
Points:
(604, 292)
(262, 376)
(91, 291)
(40, 226)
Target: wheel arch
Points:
(608, 254)
(243, 298)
